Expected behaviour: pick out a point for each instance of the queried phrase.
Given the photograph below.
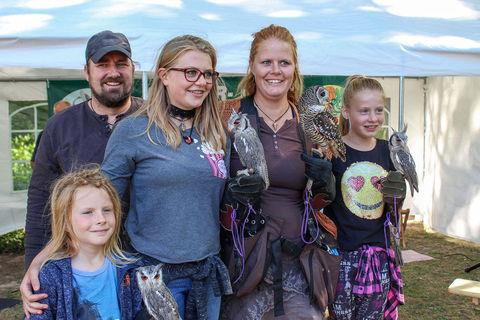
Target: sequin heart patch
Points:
(356, 183)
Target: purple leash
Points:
(388, 224)
(239, 237)
(306, 214)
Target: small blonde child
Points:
(369, 284)
(86, 275)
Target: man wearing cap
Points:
(79, 135)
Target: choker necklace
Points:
(274, 121)
(180, 113)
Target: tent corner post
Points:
(401, 102)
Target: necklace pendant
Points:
(275, 125)
(188, 139)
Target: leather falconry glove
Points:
(319, 170)
(393, 188)
(246, 189)
(239, 193)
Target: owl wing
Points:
(322, 129)
(251, 153)
(166, 306)
(404, 163)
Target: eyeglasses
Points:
(193, 74)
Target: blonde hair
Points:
(353, 85)
(207, 118)
(64, 243)
(247, 85)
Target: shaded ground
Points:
(426, 282)
(12, 266)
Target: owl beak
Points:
(150, 285)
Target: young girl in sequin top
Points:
(369, 284)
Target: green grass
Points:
(425, 282)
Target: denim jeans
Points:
(180, 289)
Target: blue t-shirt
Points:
(95, 293)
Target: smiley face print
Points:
(360, 191)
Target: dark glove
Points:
(320, 172)
(246, 189)
(316, 168)
(393, 186)
(239, 193)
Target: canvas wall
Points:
(450, 197)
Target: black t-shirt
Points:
(358, 209)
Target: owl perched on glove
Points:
(402, 159)
(248, 146)
(318, 122)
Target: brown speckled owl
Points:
(318, 123)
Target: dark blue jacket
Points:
(56, 280)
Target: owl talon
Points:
(245, 172)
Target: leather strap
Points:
(277, 278)
(311, 284)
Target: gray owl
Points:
(157, 297)
(401, 157)
(318, 122)
(248, 146)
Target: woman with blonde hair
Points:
(262, 250)
(173, 154)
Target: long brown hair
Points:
(353, 85)
(64, 243)
(207, 119)
(247, 85)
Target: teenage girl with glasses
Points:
(173, 155)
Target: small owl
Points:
(248, 146)
(402, 159)
(318, 122)
(157, 297)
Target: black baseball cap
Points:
(104, 42)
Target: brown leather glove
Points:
(393, 186)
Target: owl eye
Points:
(157, 276)
(144, 277)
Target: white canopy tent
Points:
(430, 49)
(379, 37)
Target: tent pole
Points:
(400, 103)
(144, 85)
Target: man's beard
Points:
(113, 98)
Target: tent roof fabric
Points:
(334, 37)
